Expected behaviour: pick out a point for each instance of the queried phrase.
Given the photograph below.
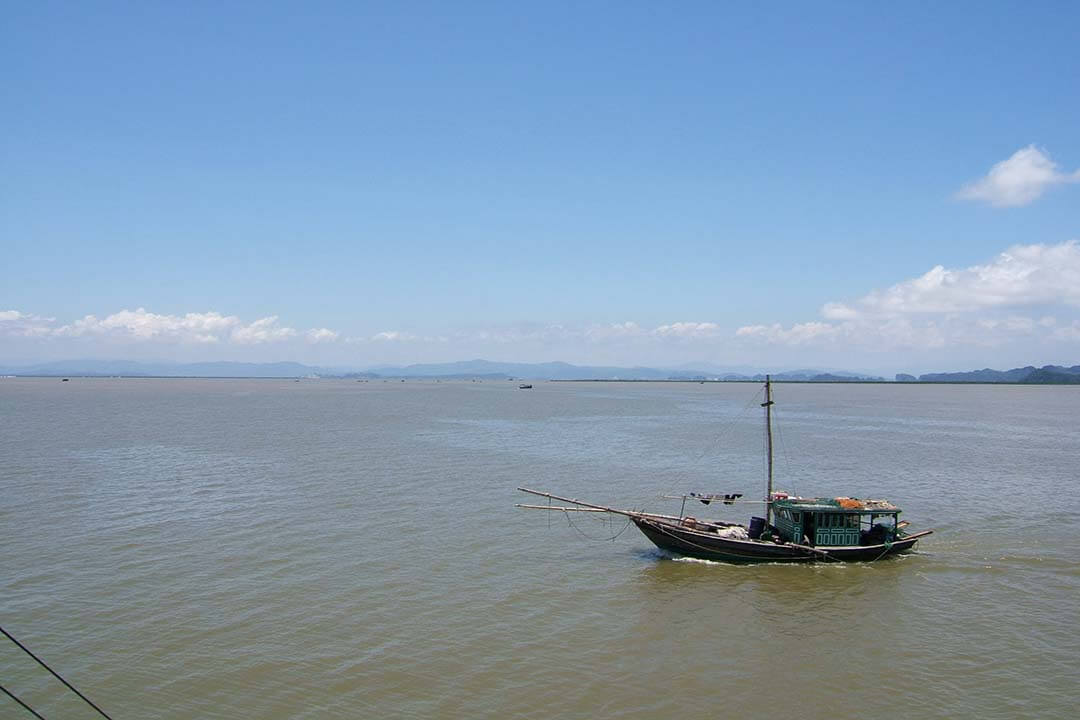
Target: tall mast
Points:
(768, 447)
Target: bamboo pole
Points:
(561, 509)
(807, 548)
(603, 508)
(599, 508)
(574, 501)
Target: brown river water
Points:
(184, 548)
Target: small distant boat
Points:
(64, 380)
(524, 386)
(794, 529)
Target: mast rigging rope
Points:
(717, 441)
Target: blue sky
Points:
(619, 183)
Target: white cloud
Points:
(320, 335)
(1017, 181)
(614, 331)
(838, 311)
(556, 334)
(799, 334)
(393, 336)
(18, 324)
(1012, 323)
(142, 325)
(400, 336)
(1022, 275)
(671, 331)
(978, 305)
(689, 330)
(1069, 333)
(513, 334)
(262, 330)
(195, 328)
(879, 335)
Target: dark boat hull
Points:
(707, 545)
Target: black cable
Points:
(12, 696)
(725, 432)
(55, 674)
(585, 535)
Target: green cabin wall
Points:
(837, 529)
(830, 528)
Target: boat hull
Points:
(707, 545)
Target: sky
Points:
(835, 185)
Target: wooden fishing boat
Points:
(793, 529)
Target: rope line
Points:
(16, 699)
(784, 451)
(888, 548)
(729, 426)
(54, 673)
(589, 537)
(725, 431)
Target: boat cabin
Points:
(835, 522)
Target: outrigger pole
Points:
(768, 445)
(590, 507)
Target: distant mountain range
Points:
(131, 368)
(533, 371)
(1030, 375)
(486, 369)
(566, 371)
(479, 369)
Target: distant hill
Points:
(541, 371)
(1046, 375)
(129, 368)
(469, 369)
(834, 378)
(566, 371)
(819, 376)
(487, 369)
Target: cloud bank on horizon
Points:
(1028, 294)
(983, 305)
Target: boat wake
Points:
(695, 561)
